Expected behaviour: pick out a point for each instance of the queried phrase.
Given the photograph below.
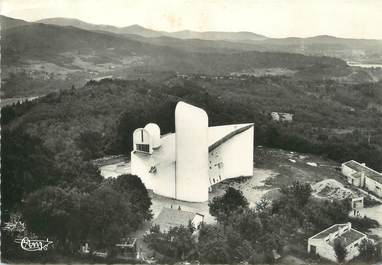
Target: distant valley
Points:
(348, 49)
(56, 54)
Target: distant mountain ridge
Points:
(77, 23)
(182, 34)
(360, 50)
(71, 53)
(8, 22)
(149, 33)
(68, 46)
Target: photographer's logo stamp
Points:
(33, 244)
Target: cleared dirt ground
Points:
(273, 168)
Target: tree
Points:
(249, 225)
(91, 144)
(340, 251)
(108, 217)
(262, 205)
(79, 174)
(8, 113)
(363, 224)
(292, 202)
(181, 241)
(222, 207)
(300, 192)
(177, 243)
(212, 246)
(322, 214)
(26, 165)
(55, 213)
(369, 251)
(135, 192)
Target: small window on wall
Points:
(143, 147)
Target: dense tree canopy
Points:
(108, 217)
(100, 217)
(369, 251)
(223, 207)
(134, 191)
(26, 165)
(55, 213)
(91, 144)
(50, 142)
(178, 243)
(340, 251)
(299, 192)
(330, 119)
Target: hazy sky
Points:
(274, 18)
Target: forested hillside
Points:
(31, 42)
(39, 58)
(340, 121)
(367, 50)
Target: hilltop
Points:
(75, 55)
(8, 22)
(30, 41)
(324, 45)
(149, 33)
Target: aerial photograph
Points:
(191, 132)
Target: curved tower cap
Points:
(154, 131)
(191, 180)
(142, 141)
(184, 111)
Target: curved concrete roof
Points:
(216, 136)
(186, 111)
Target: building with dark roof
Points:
(169, 218)
(322, 243)
(362, 176)
(183, 165)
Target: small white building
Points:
(282, 116)
(362, 176)
(323, 242)
(169, 218)
(183, 165)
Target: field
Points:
(292, 166)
